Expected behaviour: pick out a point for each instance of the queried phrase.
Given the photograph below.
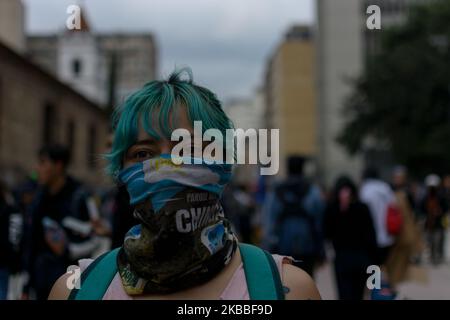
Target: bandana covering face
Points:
(183, 239)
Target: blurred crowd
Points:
(51, 220)
(397, 224)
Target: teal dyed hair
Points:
(155, 106)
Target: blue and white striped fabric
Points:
(160, 179)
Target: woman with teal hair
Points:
(184, 247)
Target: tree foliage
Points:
(402, 100)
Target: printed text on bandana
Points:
(194, 218)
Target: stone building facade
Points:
(37, 109)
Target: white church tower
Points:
(80, 63)
(12, 24)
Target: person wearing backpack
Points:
(378, 196)
(294, 218)
(184, 247)
(387, 219)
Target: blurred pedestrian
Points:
(407, 246)
(434, 207)
(24, 195)
(378, 196)
(348, 225)
(240, 207)
(7, 207)
(115, 207)
(400, 182)
(380, 199)
(293, 218)
(446, 191)
(59, 230)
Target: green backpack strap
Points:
(96, 279)
(261, 273)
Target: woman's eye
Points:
(139, 155)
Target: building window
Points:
(49, 124)
(91, 147)
(76, 67)
(71, 137)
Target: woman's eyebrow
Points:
(145, 142)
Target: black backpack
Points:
(294, 227)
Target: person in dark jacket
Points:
(349, 227)
(122, 215)
(7, 208)
(58, 228)
(116, 207)
(434, 207)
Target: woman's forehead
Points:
(178, 119)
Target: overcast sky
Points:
(225, 42)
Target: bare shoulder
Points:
(60, 291)
(300, 285)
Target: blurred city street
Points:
(431, 285)
(333, 117)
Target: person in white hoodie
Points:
(377, 195)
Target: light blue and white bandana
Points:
(184, 238)
(160, 179)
